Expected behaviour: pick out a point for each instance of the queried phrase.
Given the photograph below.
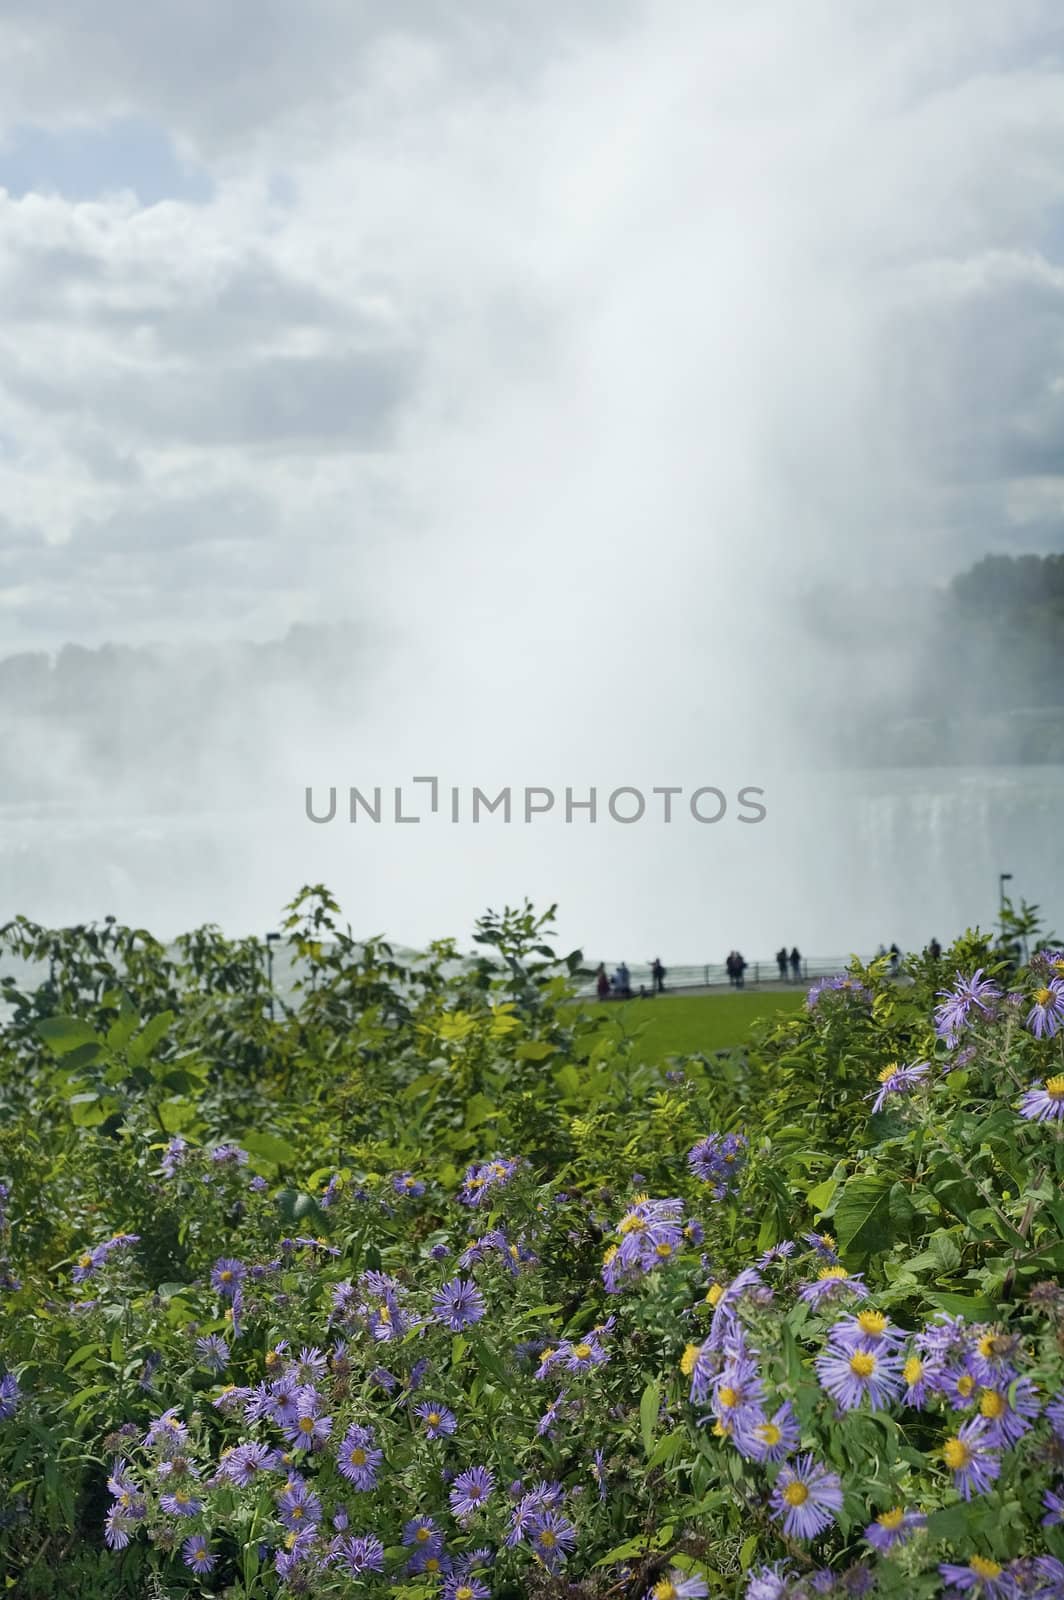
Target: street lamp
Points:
(1003, 879)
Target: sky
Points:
(559, 345)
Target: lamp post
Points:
(271, 940)
(1003, 879)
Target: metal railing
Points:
(714, 974)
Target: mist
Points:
(608, 401)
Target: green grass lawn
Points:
(692, 1024)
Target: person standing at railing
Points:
(796, 964)
(781, 962)
(657, 972)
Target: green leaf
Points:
(666, 1448)
(117, 1351)
(479, 1109)
(270, 1147)
(819, 1198)
(746, 1554)
(64, 1034)
(297, 1206)
(862, 1217)
(535, 1050)
(140, 1048)
(176, 1113)
(649, 1406)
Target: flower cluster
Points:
(717, 1160)
(90, 1261)
(650, 1233)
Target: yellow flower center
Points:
(433, 1419)
(664, 1249)
(358, 1458)
(1055, 1087)
(665, 1590)
(993, 1404)
(956, 1454)
(965, 1385)
(581, 1351)
(862, 1363)
(611, 1251)
(548, 1355)
(873, 1323)
(796, 1494)
(832, 1272)
(632, 1223)
(182, 1497)
(226, 1275)
(385, 1313)
(296, 1513)
(713, 1293)
(1042, 997)
(547, 1539)
(728, 1397)
(827, 1240)
(290, 1541)
(306, 1424)
(432, 1564)
(985, 1568)
(913, 1370)
(272, 1358)
(688, 1359)
(891, 1519)
(85, 1261)
(514, 1252)
(463, 1592)
(768, 1433)
(423, 1535)
(889, 1071)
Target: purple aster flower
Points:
(1054, 1507)
(440, 1251)
(10, 1395)
(843, 985)
(583, 1355)
(866, 1330)
(770, 1583)
(1047, 1012)
(971, 1459)
(181, 1502)
(360, 1553)
(778, 1252)
(357, 1458)
(761, 1438)
(975, 994)
(1045, 1104)
(258, 1184)
(406, 1184)
(309, 1431)
(852, 1375)
(545, 1425)
(464, 1586)
(598, 1472)
(422, 1533)
(299, 1508)
(470, 1490)
(1055, 1415)
(437, 1419)
(309, 1366)
(117, 1529)
(458, 1304)
(717, 1160)
(243, 1464)
(196, 1553)
(481, 1181)
(1009, 1412)
(213, 1352)
(806, 1496)
(227, 1275)
(167, 1435)
(738, 1394)
(990, 1578)
(552, 1536)
(173, 1155)
(833, 1283)
(892, 1526)
(897, 1080)
(229, 1154)
(676, 1586)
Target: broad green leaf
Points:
(271, 1147)
(64, 1034)
(862, 1217)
